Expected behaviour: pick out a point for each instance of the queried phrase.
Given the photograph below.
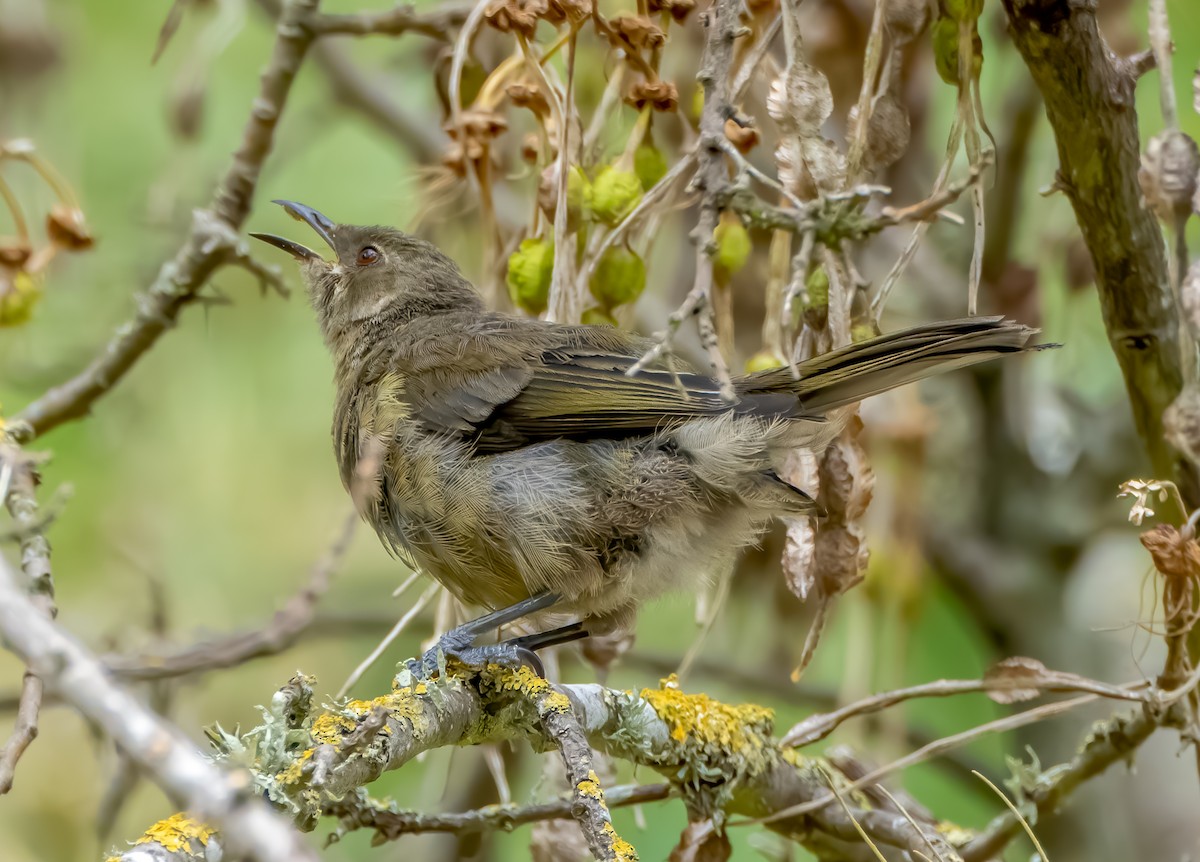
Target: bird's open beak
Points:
(318, 222)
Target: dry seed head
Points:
(841, 557)
(745, 138)
(528, 95)
(14, 252)
(1173, 555)
(516, 16)
(1181, 421)
(68, 229)
(800, 101)
(637, 31)
(847, 480)
(660, 95)
(679, 9)
(1168, 174)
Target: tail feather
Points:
(870, 367)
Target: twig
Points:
(817, 727)
(392, 22)
(1101, 751)
(419, 605)
(275, 637)
(722, 23)
(390, 825)
(19, 497)
(248, 825)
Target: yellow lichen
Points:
(329, 728)
(697, 718)
(623, 851)
(590, 787)
(295, 772)
(177, 833)
(523, 680)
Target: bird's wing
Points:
(575, 391)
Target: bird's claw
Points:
(458, 646)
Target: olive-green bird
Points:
(521, 465)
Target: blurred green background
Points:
(205, 478)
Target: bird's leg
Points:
(459, 643)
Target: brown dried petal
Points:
(455, 159)
(569, 10)
(637, 31)
(1168, 173)
(531, 147)
(1173, 555)
(800, 100)
(745, 138)
(67, 228)
(661, 95)
(799, 561)
(1026, 675)
(14, 252)
(525, 95)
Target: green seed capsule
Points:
(764, 360)
(530, 269)
(733, 246)
(816, 289)
(963, 10)
(945, 50)
(619, 277)
(597, 316)
(649, 164)
(614, 194)
(21, 298)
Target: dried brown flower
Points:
(14, 252)
(476, 130)
(67, 228)
(528, 95)
(516, 16)
(745, 138)
(679, 9)
(636, 31)
(1173, 555)
(661, 95)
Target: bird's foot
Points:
(458, 645)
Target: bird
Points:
(533, 471)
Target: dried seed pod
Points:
(816, 288)
(660, 95)
(907, 19)
(530, 269)
(636, 31)
(801, 469)
(619, 277)
(531, 151)
(68, 229)
(745, 138)
(847, 481)
(841, 558)
(888, 132)
(679, 9)
(455, 159)
(569, 10)
(1181, 423)
(1174, 556)
(476, 129)
(1168, 174)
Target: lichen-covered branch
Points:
(721, 759)
(18, 481)
(216, 797)
(1089, 98)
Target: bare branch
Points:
(397, 21)
(247, 824)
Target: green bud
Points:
(764, 360)
(597, 316)
(619, 277)
(530, 269)
(614, 194)
(816, 288)
(945, 50)
(733, 246)
(649, 164)
(963, 10)
(863, 331)
(22, 296)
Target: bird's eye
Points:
(367, 255)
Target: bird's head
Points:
(377, 275)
